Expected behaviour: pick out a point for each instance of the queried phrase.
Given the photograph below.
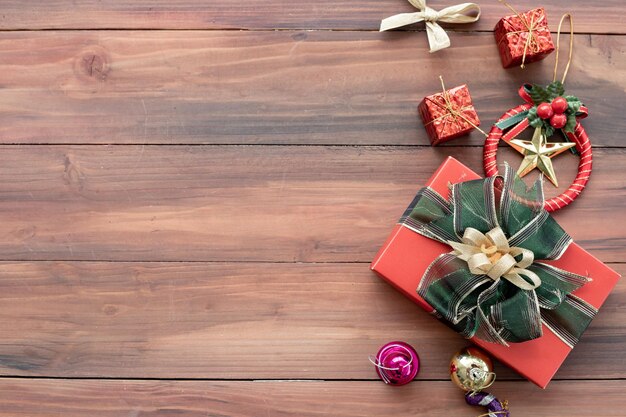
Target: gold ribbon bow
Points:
(437, 37)
(490, 254)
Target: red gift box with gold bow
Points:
(448, 114)
(523, 38)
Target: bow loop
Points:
(490, 254)
(437, 36)
(418, 4)
(582, 112)
(461, 13)
(515, 278)
(524, 93)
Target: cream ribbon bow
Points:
(490, 254)
(437, 37)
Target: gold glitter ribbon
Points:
(437, 37)
(451, 111)
(490, 254)
(571, 46)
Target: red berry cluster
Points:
(554, 111)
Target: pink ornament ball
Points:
(397, 363)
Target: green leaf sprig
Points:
(539, 95)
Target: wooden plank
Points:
(271, 87)
(237, 320)
(271, 14)
(249, 203)
(47, 398)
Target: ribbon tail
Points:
(484, 326)
(399, 20)
(556, 284)
(516, 318)
(570, 319)
(452, 290)
(438, 39)
(520, 118)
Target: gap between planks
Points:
(303, 29)
(243, 144)
(373, 379)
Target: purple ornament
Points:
(397, 363)
(495, 407)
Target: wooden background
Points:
(191, 192)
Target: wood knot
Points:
(110, 310)
(72, 175)
(92, 64)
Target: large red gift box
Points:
(405, 256)
(512, 36)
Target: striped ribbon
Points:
(498, 215)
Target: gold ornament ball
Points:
(471, 369)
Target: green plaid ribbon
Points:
(495, 309)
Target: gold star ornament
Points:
(538, 153)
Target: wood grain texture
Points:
(249, 203)
(200, 258)
(45, 398)
(600, 17)
(189, 87)
(237, 320)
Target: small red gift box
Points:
(523, 38)
(406, 255)
(448, 114)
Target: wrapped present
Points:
(523, 38)
(449, 114)
(486, 258)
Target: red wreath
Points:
(578, 136)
